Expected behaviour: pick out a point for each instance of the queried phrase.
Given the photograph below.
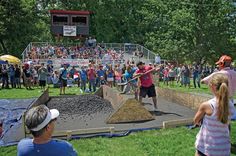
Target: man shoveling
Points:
(146, 79)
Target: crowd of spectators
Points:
(91, 76)
(182, 74)
(88, 78)
(91, 51)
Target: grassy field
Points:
(164, 142)
(203, 90)
(23, 93)
(36, 92)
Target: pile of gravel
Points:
(81, 105)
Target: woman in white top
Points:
(214, 117)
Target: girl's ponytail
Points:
(223, 108)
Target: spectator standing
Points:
(186, 76)
(35, 76)
(91, 78)
(172, 75)
(41, 123)
(50, 72)
(224, 64)
(83, 78)
(178, 74)
(5, 82)
(214, 117)
(182, 70)
(196, 76)
(63, 79)
(166, 75)
(110, 76)
(27, 76)
(18, 76)
(11, 71)
(118, 74)
(42, 72)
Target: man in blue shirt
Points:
(83, 78)
(100, 73)
(41, 122)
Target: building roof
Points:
(70, 12)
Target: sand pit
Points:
(79, 112)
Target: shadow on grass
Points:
(160, 113)
(233, 148)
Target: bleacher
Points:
(73, 54)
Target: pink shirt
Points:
(146, 80)
(231, 78)
(91, 74)
(166, 73)
(118, 75)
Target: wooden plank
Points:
(68, 133)
(175, 123)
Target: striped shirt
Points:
(213, 139)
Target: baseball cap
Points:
(140, 63)
(224, 58)
(51, 114)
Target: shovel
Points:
(125, 83)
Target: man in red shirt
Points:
(146, 79)
(91, 77)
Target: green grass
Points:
(36, 92)
(164, 142)
(203, 90)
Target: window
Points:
(79, 20)
(60, 20)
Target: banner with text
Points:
(72, 62)
(69, 30)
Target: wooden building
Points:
(70, 23)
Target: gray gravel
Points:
(81, 105)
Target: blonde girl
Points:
(214, 117)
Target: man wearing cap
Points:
(41, 122)
(224, 67)
(146, 79)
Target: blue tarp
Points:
(11, 112)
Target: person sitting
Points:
(103, 81)
(55, 79)
(41, 122)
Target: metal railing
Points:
(135, 52)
